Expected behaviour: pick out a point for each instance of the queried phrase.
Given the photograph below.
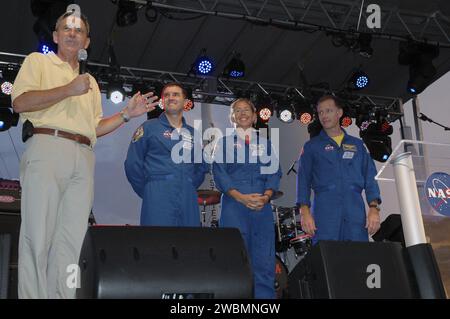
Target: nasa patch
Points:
(437, 191)
(329, 148)
(167, 134)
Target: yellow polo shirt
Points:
(76, 114)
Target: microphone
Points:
(82, 60)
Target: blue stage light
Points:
(204, 66)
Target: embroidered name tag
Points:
(257, 149)
(349, 147)
(348, 155)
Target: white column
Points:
(408, 197)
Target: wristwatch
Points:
(124, 116)
(376, 206)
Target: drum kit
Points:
(289, 238)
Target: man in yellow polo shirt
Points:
(57, 167)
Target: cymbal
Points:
(277, 195)
(208, 197)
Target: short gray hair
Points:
(68, 14)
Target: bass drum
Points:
(281, 278)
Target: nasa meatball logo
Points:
(437, 190)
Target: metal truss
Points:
(222, 91)
(317, 15)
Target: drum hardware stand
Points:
(214, 221)
(203, 223)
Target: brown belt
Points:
(74, 137)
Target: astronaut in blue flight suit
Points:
(247, 177)
(164, 165)
(338, 168)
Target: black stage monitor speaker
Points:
(10, 225)
(164, 263)
(390, 230)
(5, 247)
(336, 269)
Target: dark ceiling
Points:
(272, 54)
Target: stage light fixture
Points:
(46, 48)
(265, 114)
(359, 80)
(8, 118)
(126, 13)
(347, 117)
(7, 87)
(305, 115)
(264, 107)
(115, 92)
(285, 111)
(203, 65)
(235, 68)
(365, 48)
(190, 104)
(346, 121)
(379, 146)
(419, 58)
(302, 107)
(8, 74)
(378, 143)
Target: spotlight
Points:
(115, 92)
(305, 115)
(190, 100)
(359, 80)
(7, 76)
(302, 107)
(285, 112)
(419, 57)
(203, 65)
(7, 118)
(116, 96)
(378, 143)
(346, 121)
(264, 107)
(386, 128)
(7, 87)
(379, 146)
(265, 114)
(46, 48)
(126, 13)
(364, 41)
(235, 68)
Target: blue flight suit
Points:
(337, 175)
(256, 227)
(168, 189)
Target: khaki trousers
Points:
(57, 178)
